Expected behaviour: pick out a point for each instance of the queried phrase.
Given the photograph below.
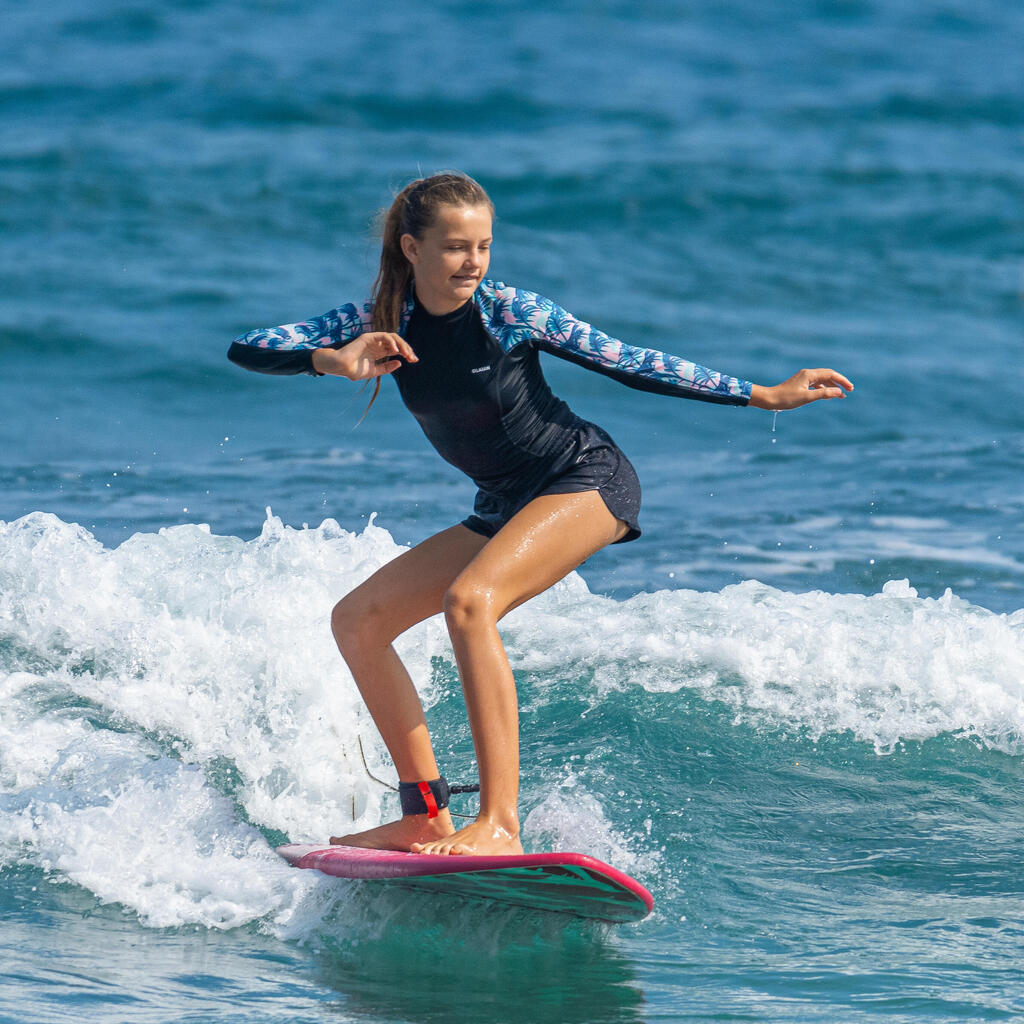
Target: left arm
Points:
(643, 368)
(518, 315)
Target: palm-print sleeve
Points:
(289, 349)
(554, 330)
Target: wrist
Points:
(325, 361)
(762, 397)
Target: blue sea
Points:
(794, 709)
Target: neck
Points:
(436, 306)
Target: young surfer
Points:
(553, 488)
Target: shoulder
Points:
(514, 315)
(507, 300)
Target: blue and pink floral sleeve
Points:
(289, 349)
(513, 317)
(516, 316)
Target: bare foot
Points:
(413, 829)
(483, 838)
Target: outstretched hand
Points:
(803, 387)
(370, 355)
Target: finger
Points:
(814, 392)
(805, 394)
(395, 344)
(383, 366)
(833, 392)
(829, 378)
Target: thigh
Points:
(539, 545)
(411, 587)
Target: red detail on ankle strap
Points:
(428, 799)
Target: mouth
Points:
(461, 279)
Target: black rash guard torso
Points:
(492, 415)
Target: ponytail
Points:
(395, 274)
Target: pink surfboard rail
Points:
(549, 869)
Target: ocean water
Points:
(794, 709)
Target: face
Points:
(451, 258)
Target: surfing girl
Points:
(553, 489)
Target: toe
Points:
(441, 849)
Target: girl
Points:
(553, 488)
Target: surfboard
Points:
(567, 883)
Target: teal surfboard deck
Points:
(565, 883)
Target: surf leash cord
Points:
(429, 798)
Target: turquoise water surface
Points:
(794, 709)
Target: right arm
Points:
(338, 343)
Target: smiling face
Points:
(451, 257)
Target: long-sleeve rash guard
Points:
(512, 317)
(478, 391)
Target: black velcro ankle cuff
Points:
(427, 798)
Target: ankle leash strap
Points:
(429, 798)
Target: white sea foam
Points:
(570, 818)
(161, 699)
(190, 650)
(886, 667)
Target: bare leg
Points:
(544, 542)
(407, 590)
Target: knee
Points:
(467, 603)
(355, 623)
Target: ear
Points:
(410, 247)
